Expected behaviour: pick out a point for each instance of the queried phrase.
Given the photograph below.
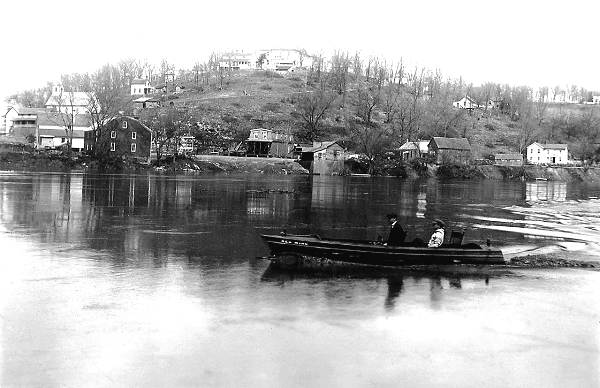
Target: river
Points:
(155, 280)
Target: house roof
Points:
(29, 111)
(146, 99)
(79, 99)
(320, 147)
(509, 156)
(554, 146)
(55, 118)
(139, 81)
(409, 145)
(129, 118)
(451, 143)
(77, 133)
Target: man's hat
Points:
(439, 222)
(392, 215)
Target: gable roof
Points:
(550, 146)
(29, 111)
(146, 99)
(139, 81)
(409, 145)
(78, 99)
(451, 143)
(320, 147)
(129, 118)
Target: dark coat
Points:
(397, 235)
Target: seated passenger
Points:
(397, 234)
(437, 238)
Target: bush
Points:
(295, 78)
(490, 127)
(266, 87)
(512, 125)
(271, 107)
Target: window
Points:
(113, 134)
(133, 147)
(133, 135)
(538, 150)
(124, 125)
(112, 146)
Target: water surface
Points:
(144, 280)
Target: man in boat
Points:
(437, 238)
(397, 234)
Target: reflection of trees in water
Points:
(148, 216)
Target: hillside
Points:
(254, 99)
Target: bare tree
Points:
(105, 100)
(312, 107)
(371, 141)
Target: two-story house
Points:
(547, 153)
(141, 87)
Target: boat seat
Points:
(456, 238)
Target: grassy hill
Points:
(252, 99)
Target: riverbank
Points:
(32, 161)
(48, 162)
(527, 173)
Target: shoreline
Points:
(207, 164)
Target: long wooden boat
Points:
(312, 250)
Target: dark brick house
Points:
(122, 137)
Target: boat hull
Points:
(303, 250)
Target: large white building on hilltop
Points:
(281, 60)
(547, 154)
(67, 102)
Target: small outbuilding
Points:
(414, 149)
(448, 150)
(514, 159)
(324, 158)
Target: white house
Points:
(465, 103)
(141, 87)
(9, 113)
(238, 61)
(547, 154)
(67, 102)
(596, 99)
(414, 149)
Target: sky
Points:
(534, 43)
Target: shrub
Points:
(271, 107)
(295, 78)
(266, 87)
(490, 127)
(512, 125)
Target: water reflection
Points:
(140, 216)
(144, 280)
(546, 191)
(397, 281)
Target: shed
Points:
(514, 159)
(448, 150)
(324, 158)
